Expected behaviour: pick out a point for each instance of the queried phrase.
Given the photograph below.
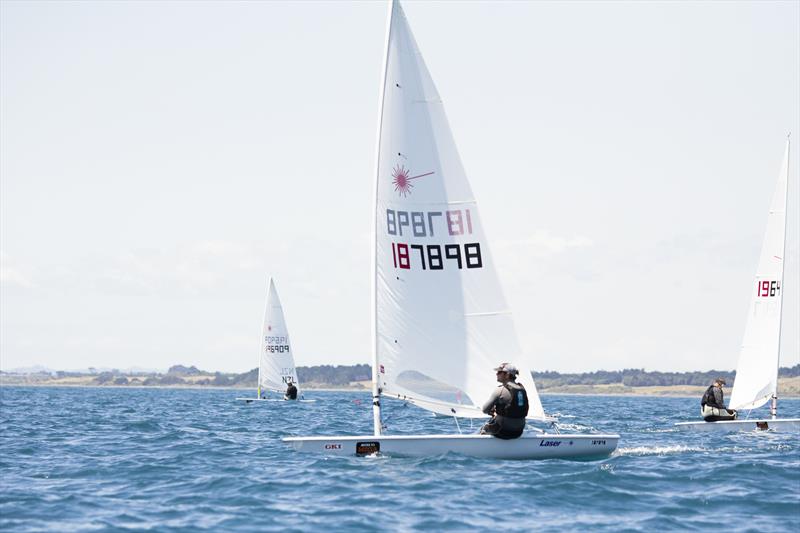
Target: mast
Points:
(774, 406)
(376, 391)
(261, 341)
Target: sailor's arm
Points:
(488, 407)
(718, 399)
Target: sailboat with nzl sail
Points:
(440, 320)
(756, 380)
(276, 367)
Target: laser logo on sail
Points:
(401, 179)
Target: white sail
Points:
(757, 371)
(442, 322)
(276, 364)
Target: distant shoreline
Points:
(42, 385)
(357, 378)
(580, 390)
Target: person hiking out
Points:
(712, 405)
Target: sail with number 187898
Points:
(441, 322)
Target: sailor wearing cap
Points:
(712, 406)
(508, 405)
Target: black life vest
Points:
(518, 407)
(708, 397)
(291, 392)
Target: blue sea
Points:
(110, 459)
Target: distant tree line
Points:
(345, 375)
(320, 376)
(334, 375)
(633, 377)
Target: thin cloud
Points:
(542, 243)
(13, 276)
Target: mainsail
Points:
(757, 371)
(276, 364)
(441, 320)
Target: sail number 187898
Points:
(436, 256)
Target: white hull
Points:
(248, 400)
(757, 424)
(526, 447)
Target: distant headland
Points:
(357, 377)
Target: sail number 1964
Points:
(766, 289)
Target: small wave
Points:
(659, 450)
(146, 426)
(661, 430)
(574, 427)
(190, 429)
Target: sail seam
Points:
(453, 202)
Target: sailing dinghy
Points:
(275, 362)
(440, 320)
(757, 372)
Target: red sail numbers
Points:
(767, 289)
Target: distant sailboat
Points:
(441, 322)
(757, 372)
(276, 367)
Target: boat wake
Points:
(574, 428)
(639, 451)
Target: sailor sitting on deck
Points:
(508, 405)
(291, 392)
(712, 406)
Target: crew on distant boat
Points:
(712, 406)
(291, 392)
(508, 405)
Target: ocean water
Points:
(109, 459)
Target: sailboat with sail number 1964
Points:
(439, 315)
(757, 371)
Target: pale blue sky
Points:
(159, 160)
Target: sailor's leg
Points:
(491, 427)
(710, 414)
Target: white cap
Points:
(507, 367)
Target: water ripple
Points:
(87, 459)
